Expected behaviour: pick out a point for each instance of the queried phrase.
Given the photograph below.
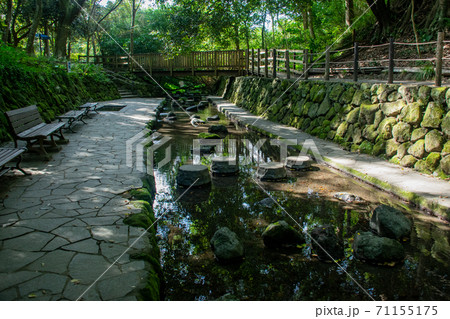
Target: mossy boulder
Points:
(391, 147)
(389, 222)
(379, 148)
(318, 93)
(367, 113)
(446, 149)
(347, 96)
(418, 134)
(433, 115)
(359, 97)
(445, 165)
(401, 132)
(392, 108)
(438, 94)
(342, 129)
(394, 96)
(324, 107)
(357, 135)
(141, 194)
(424, 94)
(417, 149)
(366, 147)
(379, 116)
(331, 135)
(336, 92)
(432, 161)
(410, 93)
(447, 99)
(378, 250)
(421, 166)
(370, 133)
(403, 149)
(408, 161)
(412, 114)
(434, 141)
(446, 125)
(312, 111)
(385, 127)
(353, 116)
(138, 220)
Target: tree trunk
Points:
(443, 7)
(68, 12)
(349, 16)
(263, 31)
(382, 14)
(311, 23)
(34, 27)
(305, 19)
(236, 37)
(133, 21)
(88, 49)
(7, 32)
(46, 41)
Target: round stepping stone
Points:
(298, 162)
(224, 166)
(271, 172)
(188, 174)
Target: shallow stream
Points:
(186, 227)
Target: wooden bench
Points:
(27, 125)
(7, 155)
(72, 117)
(94, 107)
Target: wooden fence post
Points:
(355, 63)
(391, 61)
(274, 63)
(247, 61)
(215, 63)
(439, 52)
(327, 64)
(253, 61)
(266, 61)
(259, 62)
(192, 63)
(305, 63)
(287, 64)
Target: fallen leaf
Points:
(75, 281)
(32, 296)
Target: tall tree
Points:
(68, 12)
(34, 27)
(383, 15)
(7, 32)
(350, 16)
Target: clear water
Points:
(187, 225)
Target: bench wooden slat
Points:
(8, 154)
(43, 131)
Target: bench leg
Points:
(61, 138)
(81, 119)
(19, 160)
(45, 156)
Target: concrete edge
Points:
(422, 202)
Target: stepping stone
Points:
(271, 172)
(298, 162)
(188, 174)
(224, 166)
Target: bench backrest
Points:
(23, 119)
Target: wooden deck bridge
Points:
(274, 63)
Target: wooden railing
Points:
(286, 63)
(214, 62)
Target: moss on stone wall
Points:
(53, 92)
(408, 125)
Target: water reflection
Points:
(295, 274)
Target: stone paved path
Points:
(62, 227)
(427, 191)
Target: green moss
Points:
(379, 148)
(141, 194)
(366, 147)
(138, 220)
(432, 161)
(205, 135)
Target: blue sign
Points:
(42, 36)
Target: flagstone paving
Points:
(62, 227)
